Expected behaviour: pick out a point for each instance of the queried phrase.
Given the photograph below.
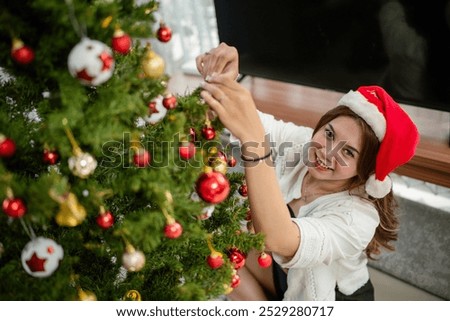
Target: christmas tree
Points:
(112, 188)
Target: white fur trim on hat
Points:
(366, 110)
(377, 188)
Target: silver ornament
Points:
(133, 260)
(82, 164)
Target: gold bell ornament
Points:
(219, 165)
(71, 212)
(81, 164)
(152, 63)
(86, 295)
(216, 160)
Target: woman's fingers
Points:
(206, 64)
(214, 64)
(223, 81)
(213, 102)
(199, 63)
(214, 89)
(209, 63)
(222, 60)
(234, 106)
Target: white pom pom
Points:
(377, 188)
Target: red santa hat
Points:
(397, 133)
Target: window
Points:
(194, 27)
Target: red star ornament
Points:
(107, 59)
(35, 263)
(156, 110)
(83, 75)
(41, 257)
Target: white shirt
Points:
(335, 229)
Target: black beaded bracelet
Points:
(246, 159)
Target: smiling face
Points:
(336, 149)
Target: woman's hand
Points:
(223, 59)
(235, 107)
(237, 111)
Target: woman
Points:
(321, 197)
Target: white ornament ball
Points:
(207, 212)
(41, 257)
(158, 113)
(82, 165)
(133, 260)
(91, 62)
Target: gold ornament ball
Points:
(153, 64)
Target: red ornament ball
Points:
(187, 150)
(105, 220)
(164, 33)
(21, 53)
(173, 230)
(169, 101)
(231, 161)
(208, 132)
(50, 157)
(215, 260)
(237, 258)
(142, 158)
(248, 216)
(264, 260)
(121, 42)
(7, 147)
(235, 281)
(243, 190)
(14, 207)
(212, 187)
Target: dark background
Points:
(339, 45)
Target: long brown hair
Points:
(387, 230)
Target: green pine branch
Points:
(41, 103)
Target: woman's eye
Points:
(329, 133)
(348, 152)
